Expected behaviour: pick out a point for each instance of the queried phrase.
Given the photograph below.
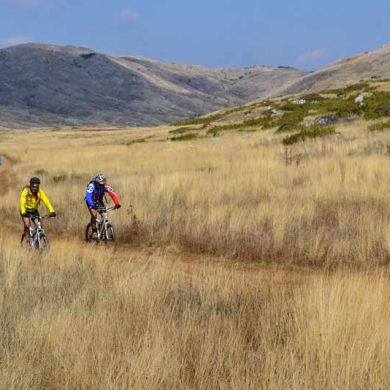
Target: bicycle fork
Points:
(35, 234)
(101, 225)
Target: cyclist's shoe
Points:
(117, 206)
(52, 215)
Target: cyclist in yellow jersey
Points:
(30, 199)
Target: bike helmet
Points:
(100, 178)
(35, 180)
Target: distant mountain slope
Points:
(50, 85)
(375, 64)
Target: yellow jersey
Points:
(30, 202)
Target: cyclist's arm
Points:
(46, 201)
(22, 201)
(112, 194)
(89, 195)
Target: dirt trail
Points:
(190, 263)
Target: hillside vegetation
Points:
(299, 116)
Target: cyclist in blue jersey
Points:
(94, 195)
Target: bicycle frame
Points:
(101, 223)
(36, 232)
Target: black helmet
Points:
(35, 180)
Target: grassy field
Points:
(241, 262)
(321, 202)
(82, 317)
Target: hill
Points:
(369, 65)
(51, 85)
(300, 116)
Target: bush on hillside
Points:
(181, 130)
(377, 105)
(185, 137)
(380, 126)
(291, 120)
(310, 132)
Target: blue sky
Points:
(306, 34)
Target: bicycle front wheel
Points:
(110, 233)
(42, 242)
(26, 242)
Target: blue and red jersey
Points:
(95, 193)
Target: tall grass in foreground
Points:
(79, 317)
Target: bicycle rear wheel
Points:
(89, 233)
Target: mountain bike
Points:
(37, 238)
(104, 229)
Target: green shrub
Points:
(312, 97)
(373, 105)
(262, 121)
(136, 141)
(358, 87)
(340, 107)
(380, 126)
(182, 130)
(331, 92)
(201, 120)
(291, 120)
(379, 80)
(362, 86)
(185, 137)
(211, 118)
(309, 132)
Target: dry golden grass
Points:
(232, 196)
(82, 317)
(151, 314)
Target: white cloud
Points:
(17, 40)
(128, 16)
(311, 57)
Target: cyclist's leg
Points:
(31, 214)
(26, 228)
(35, 217)
(93, 213)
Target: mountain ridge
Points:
(50, 85)
(43, 84)
(349, 70)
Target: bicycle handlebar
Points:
(104, 210)
(48, 216)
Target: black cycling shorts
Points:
(33, 214)
(97, 205)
